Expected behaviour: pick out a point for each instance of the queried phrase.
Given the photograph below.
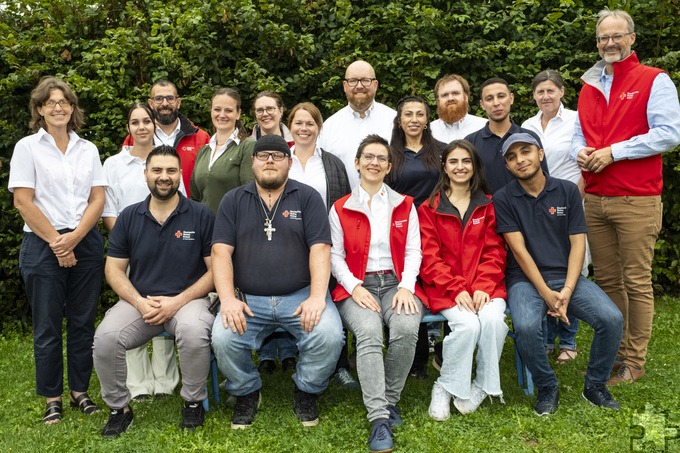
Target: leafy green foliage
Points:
(111, 52)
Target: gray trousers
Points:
(124, 328)
(381, 380)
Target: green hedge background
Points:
(113, 51)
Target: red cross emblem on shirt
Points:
(178, 234)
(286, 213)
(552, 211)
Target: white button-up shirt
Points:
(343, 131)
(313, 174)
(62, 181)
(556, 140)
(160, 138)
(447, 133)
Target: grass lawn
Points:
(510, 427)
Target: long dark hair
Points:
(144, 106)
(430, 150)
(478, 181)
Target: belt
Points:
(387, 271)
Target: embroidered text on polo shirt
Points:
(293, 215)
(561, 211)
(186, 235)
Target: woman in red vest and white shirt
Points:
(462, 272)
(375, 258)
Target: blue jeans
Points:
(554, 328)
(279, 345)
(319, 349)
(588, 303)
(382, 378)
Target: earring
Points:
(425, 127)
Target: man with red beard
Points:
(452, 93)
(174, 129)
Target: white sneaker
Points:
(440, 405)
(468, 406)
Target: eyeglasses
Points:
(617, 38)
(260, 111)
(52, 104)
(364, 81)
(159, 99)
(368, 158)
(264, 156)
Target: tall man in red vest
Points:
(628, 115)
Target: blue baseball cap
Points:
(521, 137)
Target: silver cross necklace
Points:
(268, 228)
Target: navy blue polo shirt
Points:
(164, 259)
(489, 146)
(415, 179)
(280, 266)
(545, 221)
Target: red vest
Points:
(357, 241)
(623, 118)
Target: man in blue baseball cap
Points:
(542, 221)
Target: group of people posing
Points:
(364, 221)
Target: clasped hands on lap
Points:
(403, 299)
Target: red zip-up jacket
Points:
(459, 258)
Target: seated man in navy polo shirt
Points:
(544, 226)
(165, 240)
(272, 245)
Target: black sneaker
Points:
(245, 410)
(118, 423)
(305, 407)
(418, 372)
(598, 395)
(288, 364)
(547, 400)
(267, 366)
(193, 415)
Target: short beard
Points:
(452, 112)
(161, 197)
(273, 183)
(167, 118)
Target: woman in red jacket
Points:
(462, 273)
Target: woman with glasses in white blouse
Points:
(58, 185)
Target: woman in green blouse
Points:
(225, 162)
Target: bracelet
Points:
(570, 288)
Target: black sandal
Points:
(53, 411)
(84, 403)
